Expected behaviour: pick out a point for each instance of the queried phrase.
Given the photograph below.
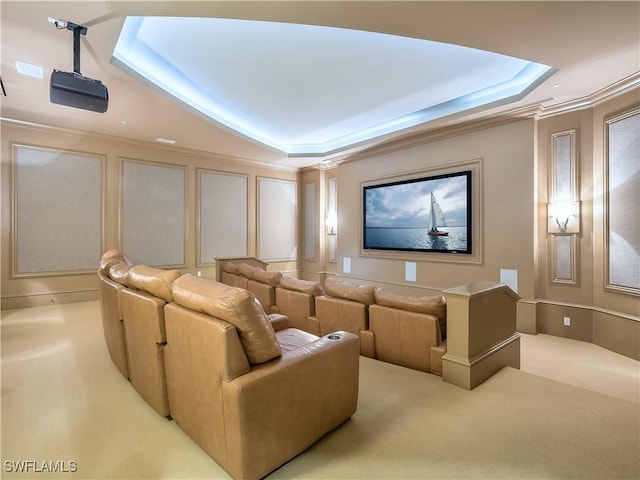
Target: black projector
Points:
(74, 90)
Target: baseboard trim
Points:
(43, 299)
(592, 308)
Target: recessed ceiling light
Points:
(28, 69)
(556, 85)
(165, 140)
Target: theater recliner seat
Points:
(345, 306)
(409, 331)
(255, 279)
(252, 398)
(296, 299)
(143, 312)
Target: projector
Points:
(75, 90)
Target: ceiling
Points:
(591, 46)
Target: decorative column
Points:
(481, 333)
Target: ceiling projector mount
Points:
(72, 89)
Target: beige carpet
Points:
(64, 403)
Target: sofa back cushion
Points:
(248, 270)
(119, 273)
(435, 305)
(268, 278)
(234, 305)
(304, 286)
(155, 281)
(110, 258)
(335, 287)
(231, 267)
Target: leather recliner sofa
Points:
(400, 329)
(250, 391)
(251, 397)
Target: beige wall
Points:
(25, 291)
(515, 169)
(506, 156)
(514, 158)
(603, 317)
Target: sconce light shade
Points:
(563, 217)
(332, 224)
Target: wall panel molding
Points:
(564, 187)
(153, 216)
(622, 192)
(310, 221)
(277, 219)
(222, 213)
(57, 211)
(563, 259)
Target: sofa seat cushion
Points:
(335, 287)
(155, 281)
(234, 305)
(292, 339)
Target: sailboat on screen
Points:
(437, 219)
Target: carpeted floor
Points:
(572, 412)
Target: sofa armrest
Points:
(278, 409)
(278, 321)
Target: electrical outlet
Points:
(199, 273)
(567, 321)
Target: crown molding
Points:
(146, 144)
(535, 110)
(452, 129)
(607, 93)
(433, 135)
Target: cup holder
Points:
(334, 336)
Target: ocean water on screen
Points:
(416, 239)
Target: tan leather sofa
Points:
(297, 300)
(143, 313)
(252, 398)
(345, 306)
(399, 329)
(409, 331)
(112, 279)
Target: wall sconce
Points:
(332, 224)
(564, 217)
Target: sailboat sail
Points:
(437, 218)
